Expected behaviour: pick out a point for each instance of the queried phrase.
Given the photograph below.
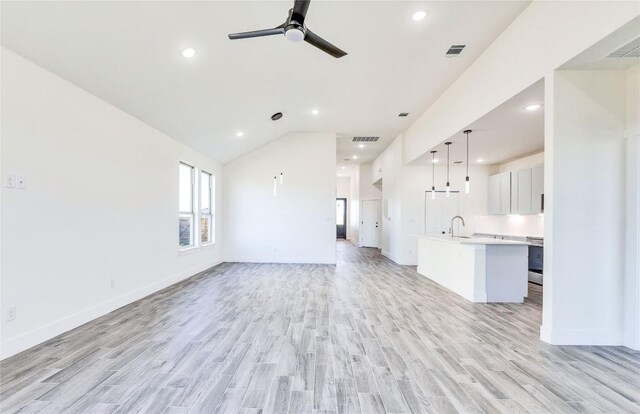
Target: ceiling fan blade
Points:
(300, 8)
(323, 45)
(257, 33)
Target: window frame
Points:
(191, 213)
(211, 214)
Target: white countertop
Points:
(471, 240)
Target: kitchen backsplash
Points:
(513, 225)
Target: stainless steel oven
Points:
(536, 259)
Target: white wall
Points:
(511, 225)
(632, 208)
(519, 57)
(354, 207)
(522, 163)
(584, 218)
(367, 190)
(343, 187)
(296, 226)
(101, 203)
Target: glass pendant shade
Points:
(466, 186)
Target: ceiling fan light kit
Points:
(295, 30)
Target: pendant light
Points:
(448, 144)
(276, 117)
(433, 175)
(466, 181)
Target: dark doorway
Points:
(341, 218)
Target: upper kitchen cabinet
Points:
(522, 193)
(537, 189)
(500, 193)
(518, 192)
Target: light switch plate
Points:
(10, 181)
(21, 182)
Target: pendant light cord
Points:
(467, 132)
(448, 144)
(433, 170)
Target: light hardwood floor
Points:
(364, 336)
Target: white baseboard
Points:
(266, 259)
(41, 334)
(604, 337)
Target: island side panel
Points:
(507, 273)
(457, 267)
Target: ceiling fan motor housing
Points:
(294, 32)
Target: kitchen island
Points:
(477, 268)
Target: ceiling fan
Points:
(295, 30)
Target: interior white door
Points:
(370, 223)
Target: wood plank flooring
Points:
(365, 336)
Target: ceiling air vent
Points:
(628, 50)
(365, 139)
(455, 50)
(403, 114)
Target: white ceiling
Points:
(129, 54)
(508, 132)
(595, 57)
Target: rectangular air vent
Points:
(628, 50)
(455, 50)
(403, 114)
(365, 139)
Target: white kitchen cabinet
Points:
(500, 193)
(522, 196)
(494, 194)
(537, 189)
(505, 193)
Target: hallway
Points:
(363, 336)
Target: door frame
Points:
(346, 207)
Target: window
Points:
(186, 216)
(206, 208)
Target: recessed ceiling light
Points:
(419, 15)
(361, 146)
(315, 112)
(239, 134)
(343, 167)
(339, 175)
(189, 52)
(355, 157)
(435, 160)
(479, 160)
(532, 107)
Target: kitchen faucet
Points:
(453, 219)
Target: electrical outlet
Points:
(112, 283)
(21, 182)
(11, 313)
(10, 181)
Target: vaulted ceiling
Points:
(130, 55)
